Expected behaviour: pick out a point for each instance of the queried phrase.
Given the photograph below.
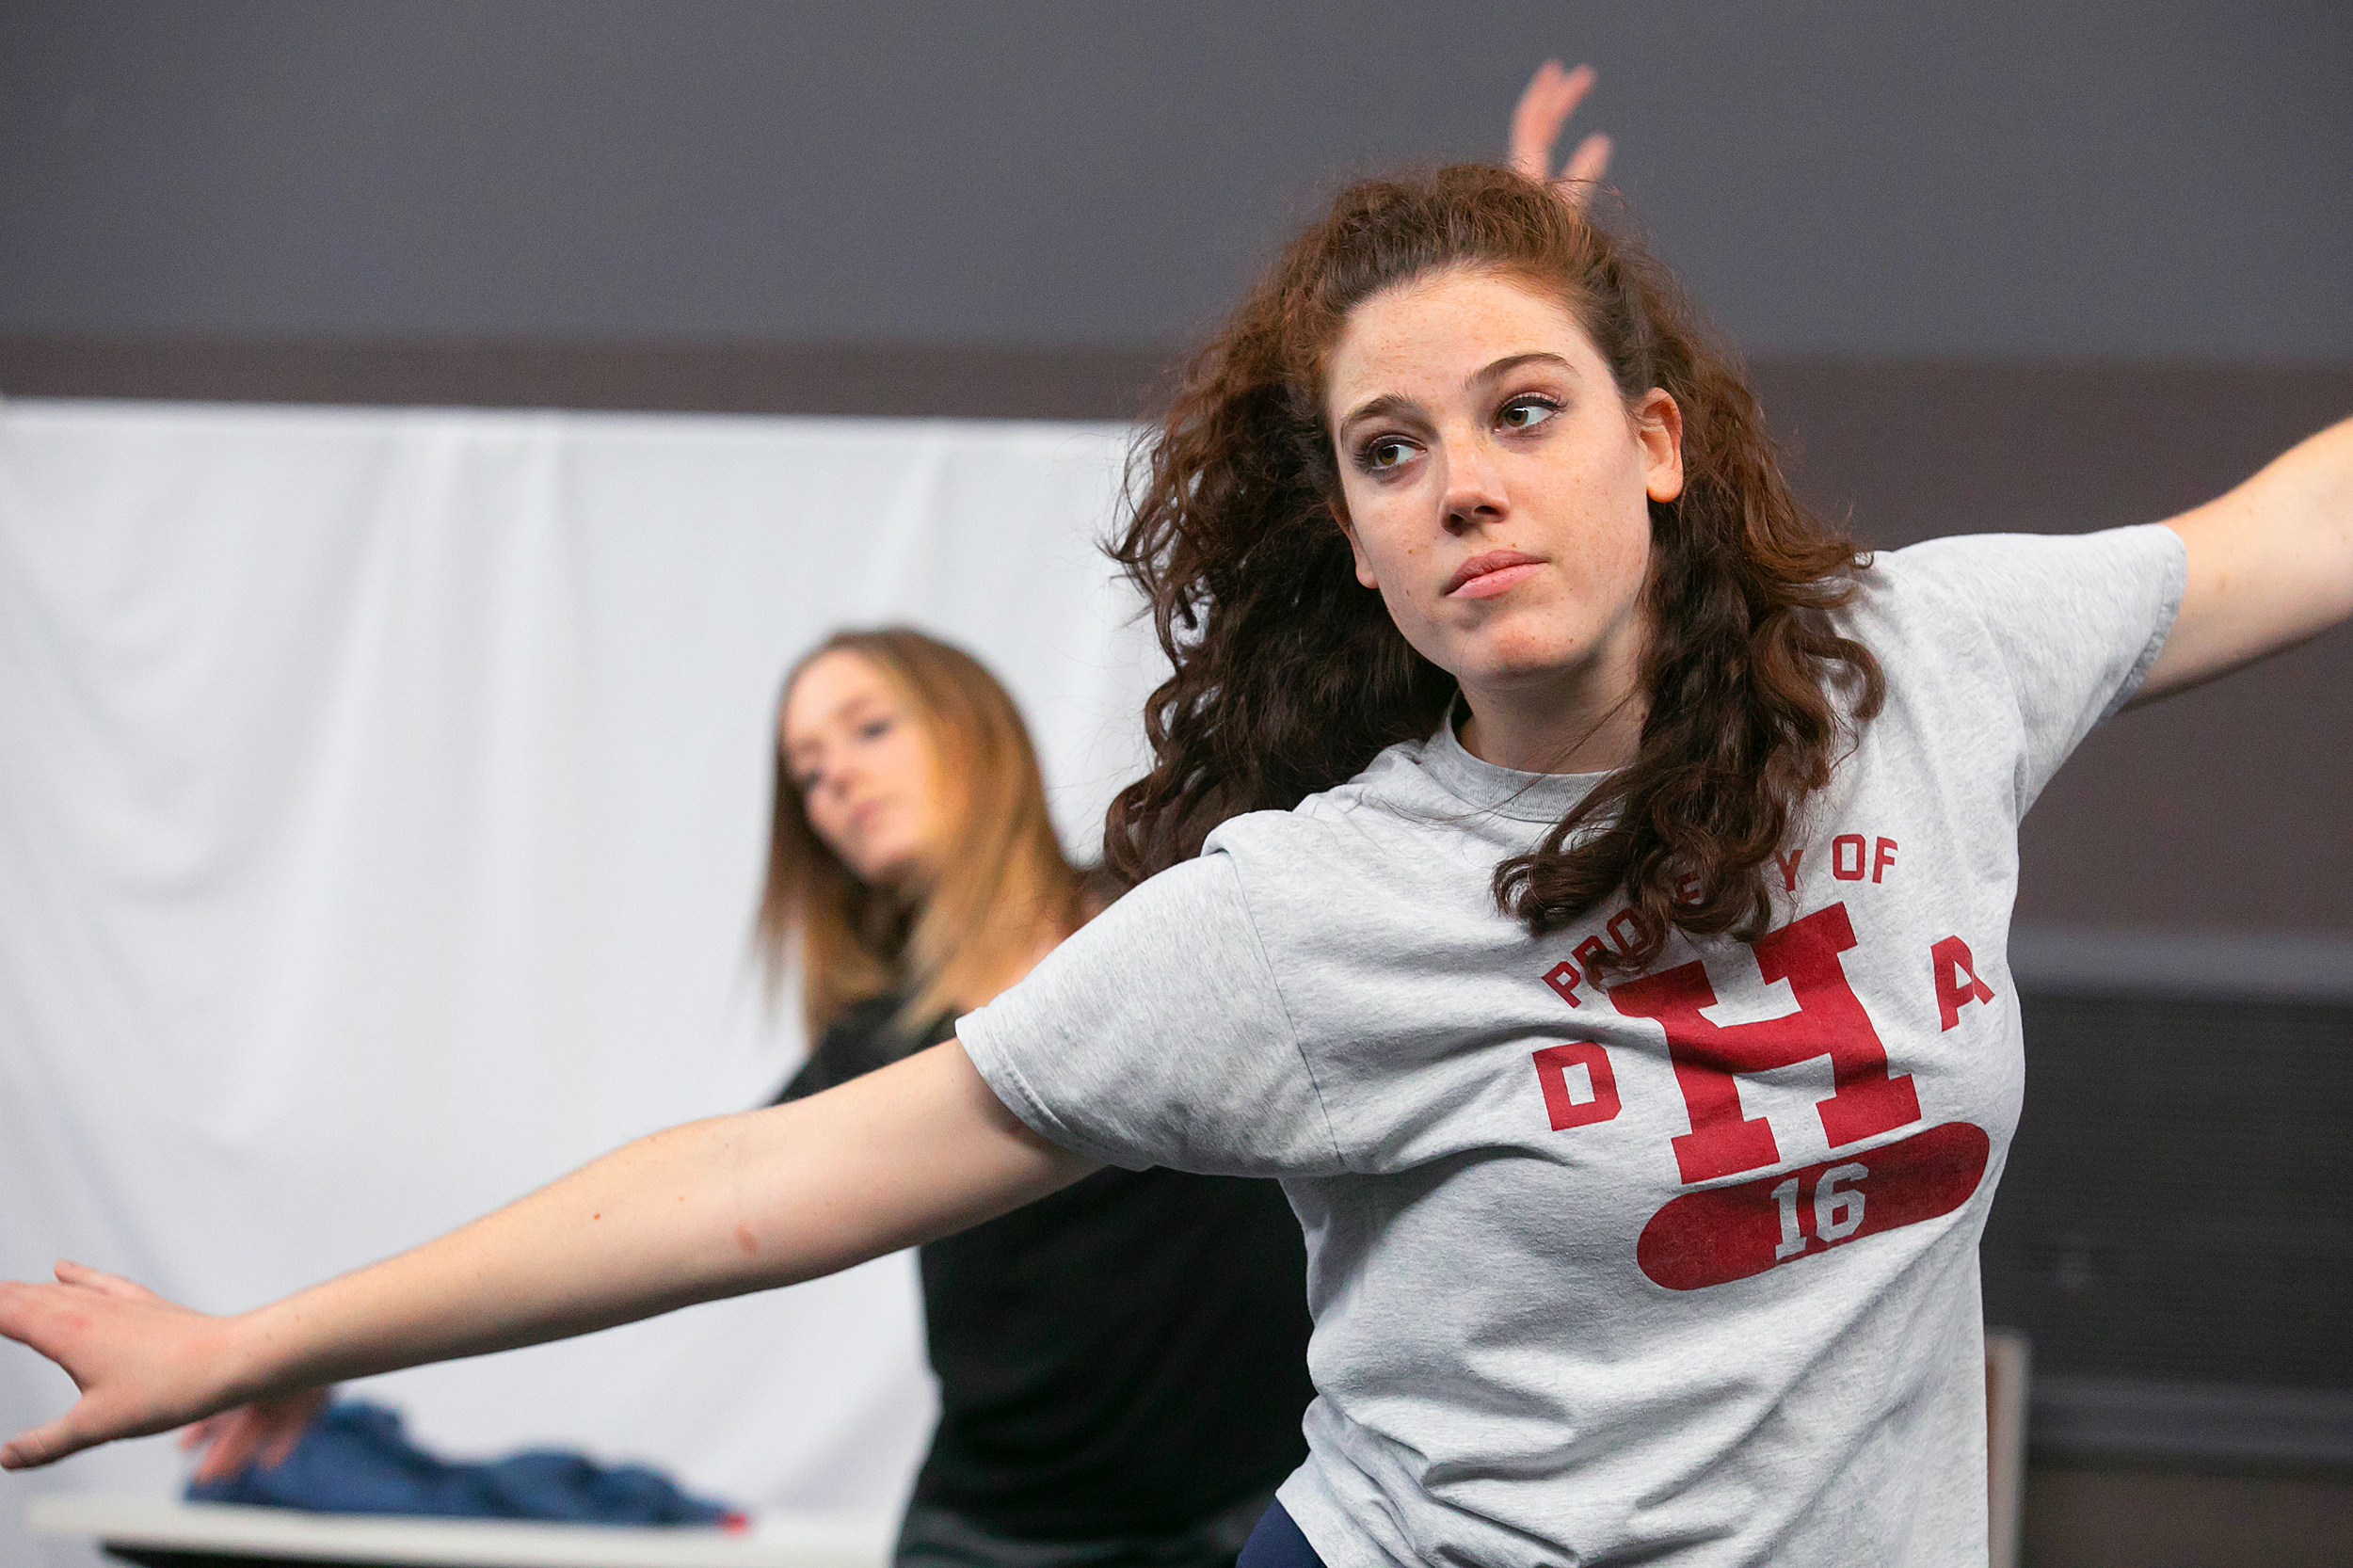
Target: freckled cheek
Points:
(1609, 554)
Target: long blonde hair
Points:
(1002, 884)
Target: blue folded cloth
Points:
(355, 1459)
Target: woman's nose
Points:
(1474, 487)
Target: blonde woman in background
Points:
(1123, 1365)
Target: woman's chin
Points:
(906, 874)
(1521, 663)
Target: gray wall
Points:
(1026, 199)
(2148, 180)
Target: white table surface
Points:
(166, 1523)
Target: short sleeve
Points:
(1156, 1036)
(2073, 621)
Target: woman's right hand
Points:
(269, 1428)
(143, 1364)
(1552, 95)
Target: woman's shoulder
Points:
(1394, 783)
(2029, 609)
(1327, 829)
(1994, 577)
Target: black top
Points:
(1124, 1356)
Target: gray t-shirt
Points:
(1682, 1269)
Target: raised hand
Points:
(267, 1429)
(143, 1364)
(1552, 95)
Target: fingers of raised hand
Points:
(1532, 132)
(1587, 165)
(1551, 96)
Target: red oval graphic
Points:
(1727, 1233)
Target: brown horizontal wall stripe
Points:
(2220, 809)
(910, 380)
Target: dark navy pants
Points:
(1277, 1544)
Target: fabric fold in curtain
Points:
(382, 803)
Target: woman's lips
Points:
(1484, 576)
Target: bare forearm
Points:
(2271, 564)
(713, 1208)
(636, 1233)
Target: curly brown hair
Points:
(1290, 675)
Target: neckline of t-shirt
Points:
(1544, 797)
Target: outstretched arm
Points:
(713, 1209)
(2270, 565)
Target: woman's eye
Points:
(874, 729)
(1525, 415)
(1389, 453)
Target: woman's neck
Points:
(1535, 731)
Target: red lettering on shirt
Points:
(1553, 1065)
(1788, 864)
(1634, 922)
(1949, 961)
(1721, 1234)
(1830, 1022)
(1838, 849)
(1882, 857)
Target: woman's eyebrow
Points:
(1379, 408)
(1396, 403)
(1510, 362)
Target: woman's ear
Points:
(1355, 546)
(1658, 425)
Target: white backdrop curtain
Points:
(382, 803)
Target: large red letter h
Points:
(1830, 1022)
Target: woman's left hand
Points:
(1553, 94)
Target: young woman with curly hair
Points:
(1578, 877)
